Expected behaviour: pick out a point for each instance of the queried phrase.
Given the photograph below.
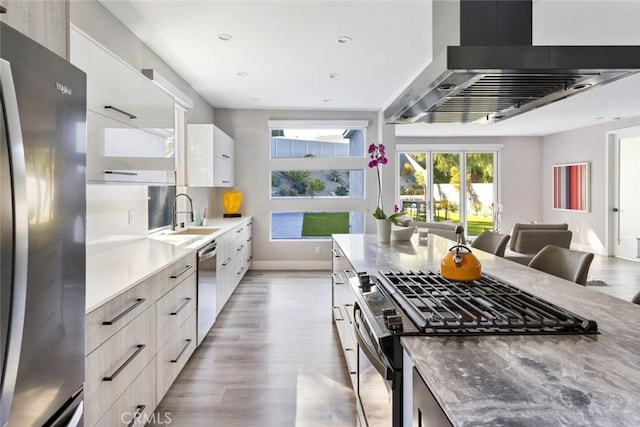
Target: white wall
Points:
(253, 178)
(582, 145)
(520, 173)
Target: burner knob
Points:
(394, 322)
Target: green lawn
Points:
(475, 224)
(324, 224)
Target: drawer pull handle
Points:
(110, 172)
(111, 377)
(181, 272)
(336, 253)
(184, 304)
(136, 415)
(337, 279)
(226, 261)
(337, 318)
(240, 248)
(111, 107)
(124, 313)
(186, 345)
(241, 270)
(226, 156)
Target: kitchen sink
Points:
(197, 231)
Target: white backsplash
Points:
(116, 210)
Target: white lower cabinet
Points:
(174, 355)
(136, 404)
(234, 260)
(139, 342)
(115, 364)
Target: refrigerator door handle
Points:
(21, 238)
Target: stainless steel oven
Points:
(207, 289)
(374, 376)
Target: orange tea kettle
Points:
(459, 264)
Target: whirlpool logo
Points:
(63, 89)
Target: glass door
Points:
(446, 191)
(413, 195)
(480, 193)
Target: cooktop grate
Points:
(439, 306)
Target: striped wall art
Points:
(571, 187)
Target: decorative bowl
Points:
(402, 233)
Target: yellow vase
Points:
(231, 201)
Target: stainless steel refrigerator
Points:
(42, 230)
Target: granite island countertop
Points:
(525, 380)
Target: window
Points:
(313, 168)
(314, 224)
(323, 142)
(326, 183)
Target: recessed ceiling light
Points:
(255, 99)
(600, 118)
(327, 100)
(617, 118)
(225, 37)
(334, 76)
(344, 40)
(243, 74)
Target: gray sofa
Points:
(528, 239)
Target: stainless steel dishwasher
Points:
(206, 289)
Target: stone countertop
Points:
(119, 263)
(532, 380)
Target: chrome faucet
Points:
(174, 213)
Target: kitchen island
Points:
(536, 380)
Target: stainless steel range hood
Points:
(485, 68)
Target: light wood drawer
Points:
(174, 308)
(175, 273)
(115, 364)
(138, 401)
(175, 354)
(106, 320)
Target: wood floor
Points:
(271, 359)
(622, 276)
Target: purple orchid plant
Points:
(378, 159)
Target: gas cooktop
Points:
(438, 306)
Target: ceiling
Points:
(286, 55)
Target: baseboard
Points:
(588, 248)
(291, 265)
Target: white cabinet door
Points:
(118, 152)
(222, 172)
(210, 156)
(130, 124)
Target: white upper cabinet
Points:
(210, 157)
(130, 121)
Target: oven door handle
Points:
(383, 369)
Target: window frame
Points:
(318, 204)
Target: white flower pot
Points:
(384, 230)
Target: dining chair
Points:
(489, 241)
(565, 263)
